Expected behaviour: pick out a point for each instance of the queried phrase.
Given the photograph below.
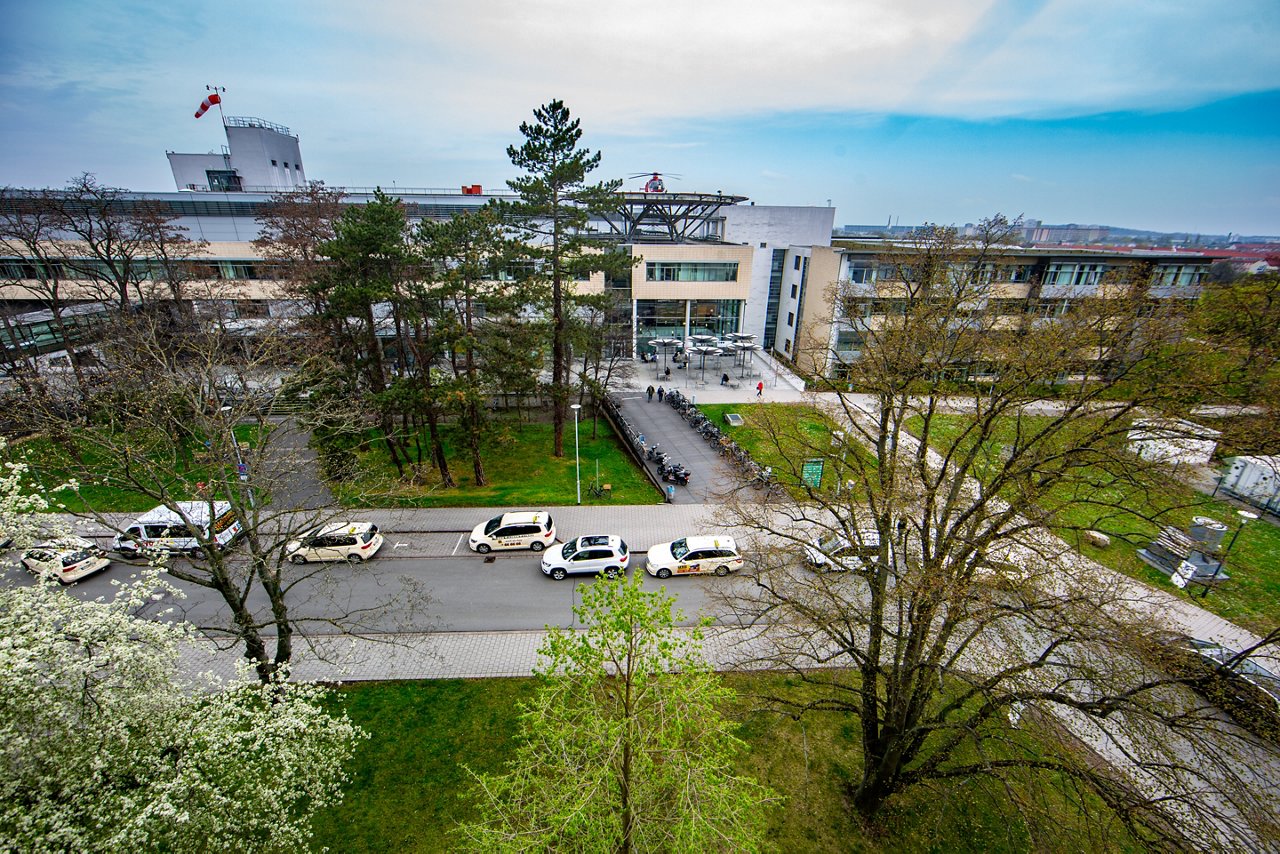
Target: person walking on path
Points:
(660, 394)
(649, 391)
(760, 389)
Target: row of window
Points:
(1059, 274)
(866, 308)
(691, 271)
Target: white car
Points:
(68, 559)
(832, 551)
(531, 530)
(694, 556)
(598, 553)
(353, 542)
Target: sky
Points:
(1149, 114)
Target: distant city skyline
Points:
(1136, 114)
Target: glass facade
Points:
(691, 271)
(775, 293)
(665, 318)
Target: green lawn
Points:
(408, 780)
(780, 435)
(178, 468)
(519, 466)
(1250, 599)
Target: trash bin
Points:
(671, 494)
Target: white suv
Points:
(599, 553)
(350, 541)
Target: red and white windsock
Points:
(214, 98)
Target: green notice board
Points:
(811, 472)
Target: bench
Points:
(734, 384)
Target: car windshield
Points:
(75, 557)
(831, 543)
(493, 524)
(679, 548)
(568, 550)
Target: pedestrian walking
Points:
(660, 394)
(649, 391)
(760, 389)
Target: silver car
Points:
(597, 553)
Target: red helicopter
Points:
(654, 184)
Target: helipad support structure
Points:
(668, 217)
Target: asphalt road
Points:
(466, 591)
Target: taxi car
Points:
(694, 556)
(597, 553)
(67, 559)
(833, 551)
(526, 530)
(350, 541)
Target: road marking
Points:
(455, 547)
(399, 545)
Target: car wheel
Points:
(483, 548)
(537, 546)
(664, 573)
(558, 573)
(612, 573)
(722, 571)
(354, 558)
(299, 560)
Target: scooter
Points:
(653, 452)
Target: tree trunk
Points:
(437, 447)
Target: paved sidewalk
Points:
(444, 655)
(713, 476)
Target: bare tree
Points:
(960, 611)
(191, 420)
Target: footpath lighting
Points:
(242, 471)
(577, 463)
(1246, 517)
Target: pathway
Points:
(713, 475)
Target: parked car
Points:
(597, 553)
(694, 556)
(1241, 687)
(67, 559)
(528, 530)
(165, 530)
(832, 551)
(353, 542)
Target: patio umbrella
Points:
(704, 350)
(743, 348)
(665, 344)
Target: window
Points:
(691, 271)
(795, 289)
(762, 244)
(222, 180)
(786, 346)
(791, 318)
(273, 163)
(797, 262)
(849, 340)
(860, 272)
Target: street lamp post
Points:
(577, 462)
(241, 472)
(1246, 516)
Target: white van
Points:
(163, 530)
(533, 531)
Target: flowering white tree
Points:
(104, 747)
